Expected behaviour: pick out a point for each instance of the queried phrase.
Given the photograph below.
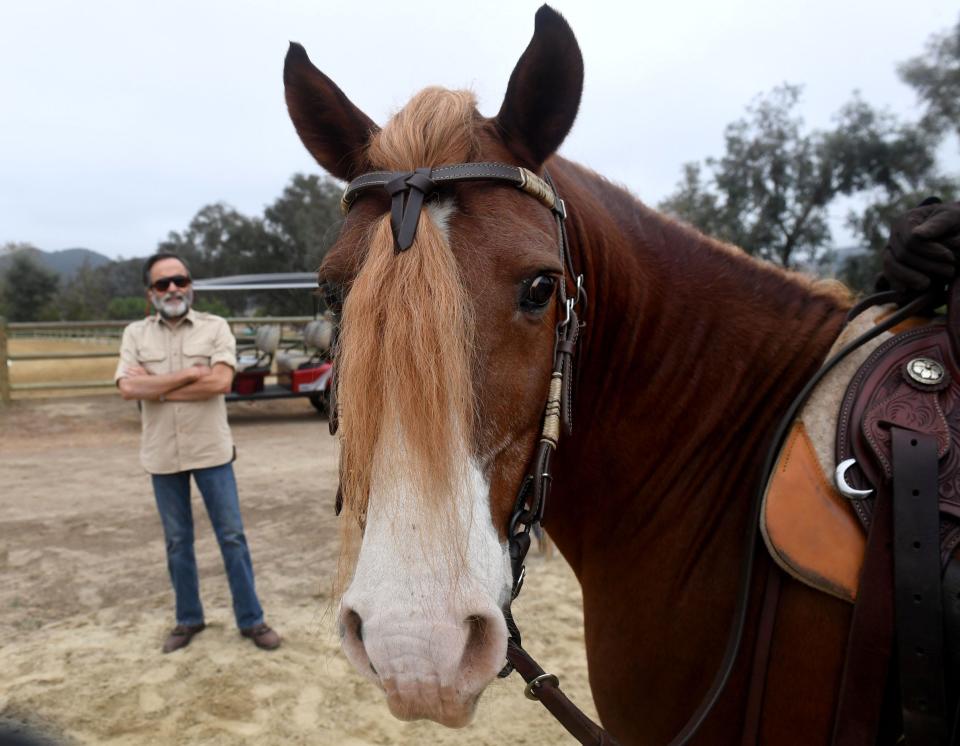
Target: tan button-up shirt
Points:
(178, 436)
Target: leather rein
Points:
(407, 191)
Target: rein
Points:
(408, 190)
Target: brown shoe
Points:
(181, 635)
(262, 636)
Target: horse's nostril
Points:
(354, 623)
(476, 638)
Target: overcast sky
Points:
(121, 119)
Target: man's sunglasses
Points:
(181, 281)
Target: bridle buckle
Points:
(530, 691)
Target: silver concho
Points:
(925, 370)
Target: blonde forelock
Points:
(435, 128)
(405, 347)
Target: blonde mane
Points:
(404, 357)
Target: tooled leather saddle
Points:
(899, 424)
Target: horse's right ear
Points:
(544, 91)
(334, 130)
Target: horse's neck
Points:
(690, 356)
(690, 353)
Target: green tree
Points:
(123, 277)
(220, 241)
(292, 236)
(935, 76)
(772, 190)
(28, 289)
(211, 305)
(127, 307)
(305, 220)
(85, 295)
(302, 223)
(12, 247)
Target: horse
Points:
(689, 353)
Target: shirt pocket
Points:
(153, 359)
(195, 353)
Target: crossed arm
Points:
(196, 383)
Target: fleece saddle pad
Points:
(812, 531)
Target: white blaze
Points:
(424, 577)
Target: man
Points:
(179, 363)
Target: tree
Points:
(305, 220)
(12, 247)
(86, 295)
(211, 305)
(935, 76)
(28, 289)
(124, 277)
(771, 191)
(292, 236)
(220, 241)
(128, 307)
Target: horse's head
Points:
(443, 367)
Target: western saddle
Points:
(873, 517)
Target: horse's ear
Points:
(334, 130)
(544, 91)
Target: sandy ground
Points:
(85, 601)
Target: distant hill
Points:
(65, 263)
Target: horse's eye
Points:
(332, 297)
(538, 292)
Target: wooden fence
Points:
(98, 330)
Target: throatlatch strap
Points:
(916, 573)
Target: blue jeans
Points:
(219, 490)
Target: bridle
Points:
(408, 191)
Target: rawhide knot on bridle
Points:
(408, 190)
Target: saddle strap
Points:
(951, 612)
(871, 638)
(545, 688)
(917, 592)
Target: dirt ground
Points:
(85, 600)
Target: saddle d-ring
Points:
(530, 692)
(840, 478)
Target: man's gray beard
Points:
(170, 308)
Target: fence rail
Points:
(81, 330)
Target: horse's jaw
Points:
(421, 621)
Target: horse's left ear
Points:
(544, 91)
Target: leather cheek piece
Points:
(566, 347)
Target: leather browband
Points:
(407, 190)
(518, 176)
